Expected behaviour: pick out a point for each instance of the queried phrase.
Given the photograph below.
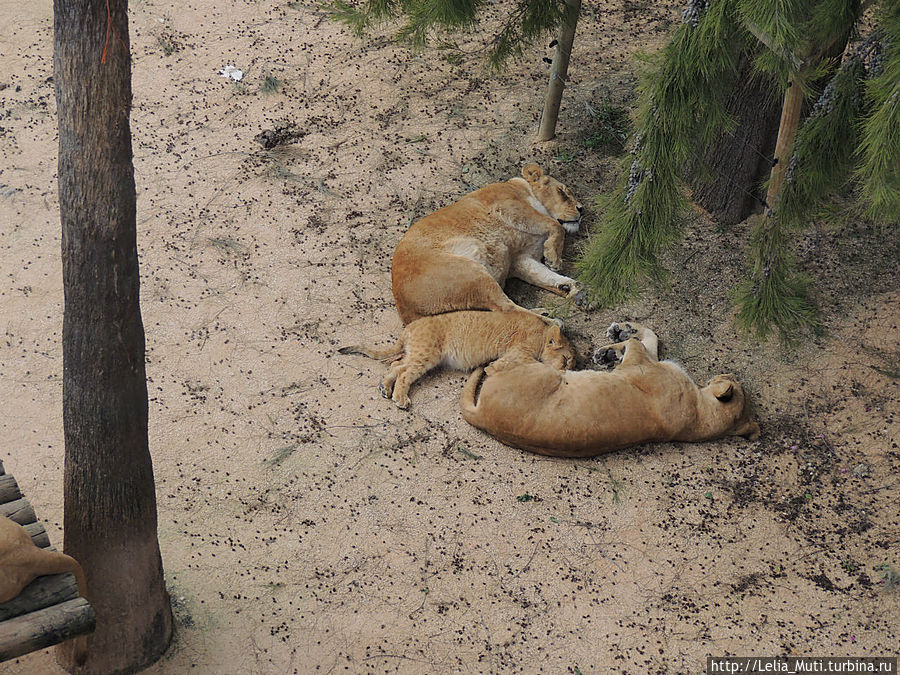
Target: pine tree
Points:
(852, 130)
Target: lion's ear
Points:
(554, 334)
(532, 173)
(722, 387)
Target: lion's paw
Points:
(606, 357)
(385, 390)
(401, 402)
(580, 296)
(555, 265)
(620, 332)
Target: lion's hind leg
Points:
(386, 387)
(406, 377)
(424, 351)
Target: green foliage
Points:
(270, 85)
(529, 20)
(424, 16)
(358, 18)
(776, 23)
(879, 148)
(524, 21)
(565, 155)
(830, 19)
(850, 139)
(774, 295)
(824, 149)
(681, 104)
(622, 253)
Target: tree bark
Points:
(787, 132)
(109, 494)
(559, 71)
(726, 177)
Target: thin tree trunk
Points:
(794, 109)
(110, 500)
(787, 132)
(726, 176)
(559, 71)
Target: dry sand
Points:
(307, 525)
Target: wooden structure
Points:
(49, 610)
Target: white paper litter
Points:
(231, 71)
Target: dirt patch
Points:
(306, 524)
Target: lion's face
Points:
(557, 351)
(556, 198)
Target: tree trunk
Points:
(110, 500)
(559, 70)
(787, 132)
(727, 176)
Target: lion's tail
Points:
(467, 397)
(391, 353)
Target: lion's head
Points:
(735, 405)
(557, 352)
(556, 198)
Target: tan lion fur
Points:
(580, 414)
(464, 340)
(460, 256)
(21, 562)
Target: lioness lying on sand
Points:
(460, 256)
(464, 340)
(579, 414)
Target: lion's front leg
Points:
(528, 269)
(525, 218)
(553, 248)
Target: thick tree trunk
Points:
(110, 500)
(727, 177)
(559, 71)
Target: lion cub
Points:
(462, 341)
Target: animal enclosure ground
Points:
(307, 525)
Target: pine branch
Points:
(795, 61)
(681, 105)
(774, 296)
(826, 142)
(777, 23)
(527, 20)
(879, 147)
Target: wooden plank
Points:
(19, 510)
(45, 628)
(39, 594)
(38, 535)
(9, 489)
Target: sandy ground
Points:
(307, 525)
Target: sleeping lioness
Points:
(460, 256)
(579, 414)
(464, 340)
